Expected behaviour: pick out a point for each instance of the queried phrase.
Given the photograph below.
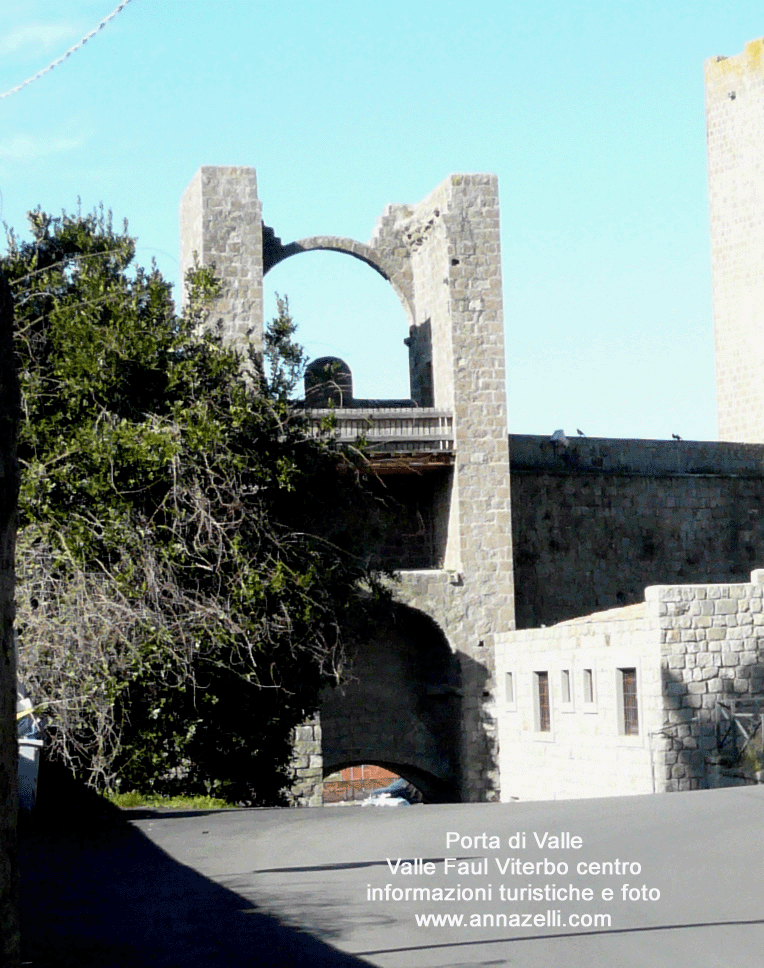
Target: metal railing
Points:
(391, 430)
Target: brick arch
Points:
(432, 788)
(402, 709)
(274, 253)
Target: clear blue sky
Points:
(591, 114)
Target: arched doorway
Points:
(401, 709)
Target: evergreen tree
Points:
(191, 560)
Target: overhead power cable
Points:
(60, 60)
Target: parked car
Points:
(400, 793)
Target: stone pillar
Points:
(473, 262)
(307, 765)
(9, 485)
(449, 247)
(222, 223)
(734, 96)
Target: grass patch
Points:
(135, 799)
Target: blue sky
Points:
(592, 115)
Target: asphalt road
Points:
(321, 887)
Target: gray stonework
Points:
(712, 651)
(442, 257)
(692, 648)
(307, 765)
(595, 525)
(734, 96)
(221, 225)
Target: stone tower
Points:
(442, 257)
(735, 118)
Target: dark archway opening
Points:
(402, 708)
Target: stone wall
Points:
(692, 647)
(221, 224)
(585, 752)
(442, 257)
(712, 650)
(734, 96)
(454, 243)
(307, 765)
(596, 523)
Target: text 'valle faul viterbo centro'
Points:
(528, 879)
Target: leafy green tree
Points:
(193, 561)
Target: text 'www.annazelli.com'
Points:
(483, 919)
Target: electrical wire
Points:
(60, 60)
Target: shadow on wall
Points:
(403, 708)
(702, 744)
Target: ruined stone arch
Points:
(442, 256)
(274, 253)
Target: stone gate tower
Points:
(735, 118)
(442, 257)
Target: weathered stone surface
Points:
(442, 257)
(593, 527)
(585, 752)
(307, 765)
(734, 92)
(221, 223)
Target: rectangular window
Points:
(565, 685)
(588, 685)
(629, 699)
(543, 719)
(509, 688)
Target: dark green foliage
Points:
(215, 543)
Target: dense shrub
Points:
(191, 559)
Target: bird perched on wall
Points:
(559, 439)
(580, 433)
(676, 436)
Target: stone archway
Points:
(275, 252)
(442, 257)
(402, 708)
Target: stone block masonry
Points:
(596, 524)
(449, 247)
(221, 218)
(442, 257)
(735, 120)
(306, 765)
(712, 651)
(632, 695)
